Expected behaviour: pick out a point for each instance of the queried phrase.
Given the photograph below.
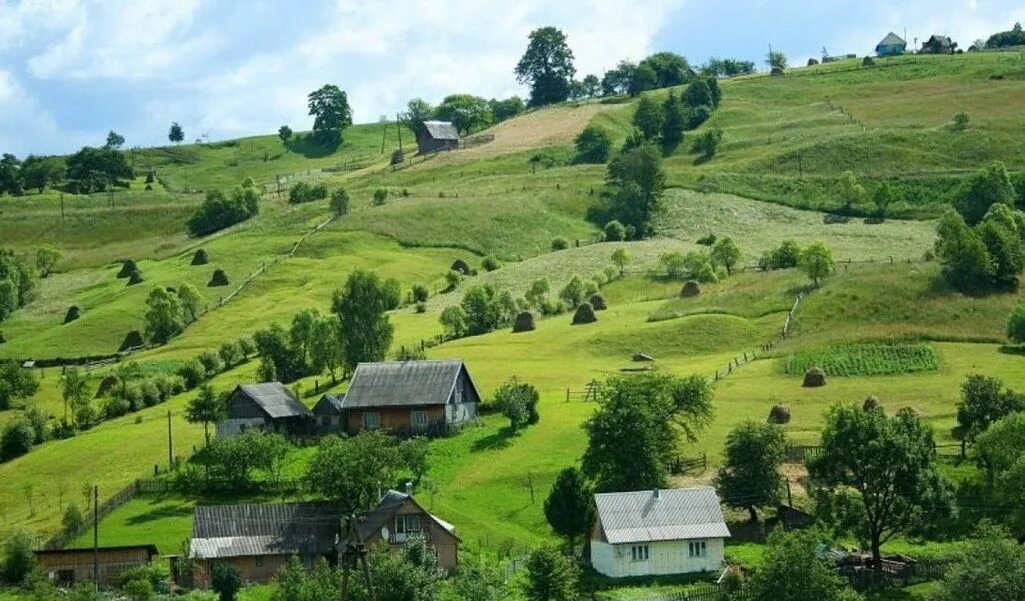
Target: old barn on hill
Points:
(437, 135)
(270, 406)
(891, 45)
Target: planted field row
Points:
(865, 360)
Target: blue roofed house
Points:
(659, 532)
(892, 45)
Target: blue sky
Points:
(70, 70)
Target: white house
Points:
(664, 531)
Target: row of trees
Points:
(91, 169)
(219, 211)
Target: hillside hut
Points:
(433, 136)
(891, 45)
(938, 44)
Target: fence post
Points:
(567, 395)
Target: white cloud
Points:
(23, 122)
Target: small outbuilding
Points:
(270, 406)
(891, 45)
(938, 44)
(658, 532)
(329, 413)
(434, 136)
(71, 566)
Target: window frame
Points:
(376, 418)
(639, 553)
(697, 549)
(413, 414)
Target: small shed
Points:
(329, 413)
(270, 406)
(71, 566)
(892, 45)
(433, 136)
(938, 44)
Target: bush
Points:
(785, 256)
(211, 363)
(560, 243)
(218, 212)
(524, 322)
(814, 378)
(707, 144)
(230, 354)
(593, 145)
(698, 115)
(779, 414)
(116, 406)
(19, 560)
(597, 302)
(226, 581)
(452, 279)
(16, 439)
(339, 202)
(614, 231)
(461, 266)
(219, 278)
(380, 195)
(192, 372)
(72, 314)
(420, 307)
(490, 263)
(961, 121)
(73, 520)
(200, 257)
(150, 393)
(420, 293)
(868, 61)
(304, 192)
(872, 403)
(133, 340)
(584, 314)
(127, 268)
(708, 240)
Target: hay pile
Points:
(127, 268)
(135, 277)
(219, 278)
(461, 266)
(524, 322)
(872, 403)
(584, 314)
(814, 378)
(597, 302)
(779, 414)
(132, 340)
(106, 385)
(72, 314)
(868, 62)
(690, 288)
(200, 258)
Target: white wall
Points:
(664, 557)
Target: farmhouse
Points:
(659, 532)
(892, 45)
(329, 413)
(938, 44)
(437, 135)
(259, 539)
(71, 566)
(410, 396)
(269, 406)
(398, 517)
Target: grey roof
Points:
(675, 514)
(329, 404)
(403, 383)
(381, 515)
(892, 39)
(441, 130)
(275, 399)
(942, 39)
(270, 529)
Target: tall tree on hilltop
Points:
(329, 107)
(176, 134)
(546, 66)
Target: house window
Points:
(407, 524)
(697, 549)
(639, 552)
(459, 394)
(259, 561)
(371, 420)
(419, 419)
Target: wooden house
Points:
(434, 136)
(410, 397)
(939, 44)
(398, 517)
(891, 45)
(659, 532)
(270, 406)
(70, 566)
(260, 539)
(329, 413)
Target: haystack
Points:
(132, 340)
(868, 62)
(598, 302)
(461, 266)
(690, 288)
(779, 414)
(524, 322)
(127, 268)
(584, 314)
(219, 278)
(200, 258)
(814, 377)
(872, 403)
(135, 277)
(106, 385)
(72, 314)
(777, 72)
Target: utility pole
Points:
(355, 553)
(96, 536)
(384, 133)
(398, 125)
(170, 451)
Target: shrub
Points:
(420, 308)
(192, 372)
(524, 322)
(690, 288)
(871, 403)
(584, 314)
(135, 278)
(707, 144)
(779, 414)
(200, 257)
(339, 202)
(452, 279)
(73, 521)
(708, 240)
(116, 406)
(560, 243)
(814, 378)
(597, 302)
(420, 293)
(219, 278)
(127, 268)
(133, 340)
(211, 363)
(461, 266)
(593, 145)
(380, 195)
(304, 192)
(72, 314)
(614, 231)
(785, 256)
(19, 560)
(868, 61)
(230, 354)
(150, 393)
(16, 439)
(574, 292)
(218, 212)
(961, 121)
(226, 581)
(490, 263)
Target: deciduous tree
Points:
(794, 570)
(165, 316)
(551, 576)
(750, 474)
(206, 408)
(569, 508)
(984, 400)
(817, 262)
(361, 305)
(176, 134)
(726, 254)
(546, 66)
(352, 470)
(329, 107)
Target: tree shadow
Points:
(309, 147)
(703, 158)
(669, 148)
(1012, 349)
(162, 513)
(493, 442)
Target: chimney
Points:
(409, 489)
(655, 494)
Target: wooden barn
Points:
(891, 45)
(938, 44)
(329, 413)
(270, 406)
(410, 397)
(260, 539)
(398, 517)
(437, 135)
(71, 566)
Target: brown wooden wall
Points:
(394, 418)
(441, 540)
(260, 570)
(112, 562)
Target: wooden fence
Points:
(61, 539)
(685, 465)
(700, 592)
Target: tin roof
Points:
(274, 398)
(403, 383)
(663, 514)
(329, 404)
(441, 130)
(892, 39)
(264, 529)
